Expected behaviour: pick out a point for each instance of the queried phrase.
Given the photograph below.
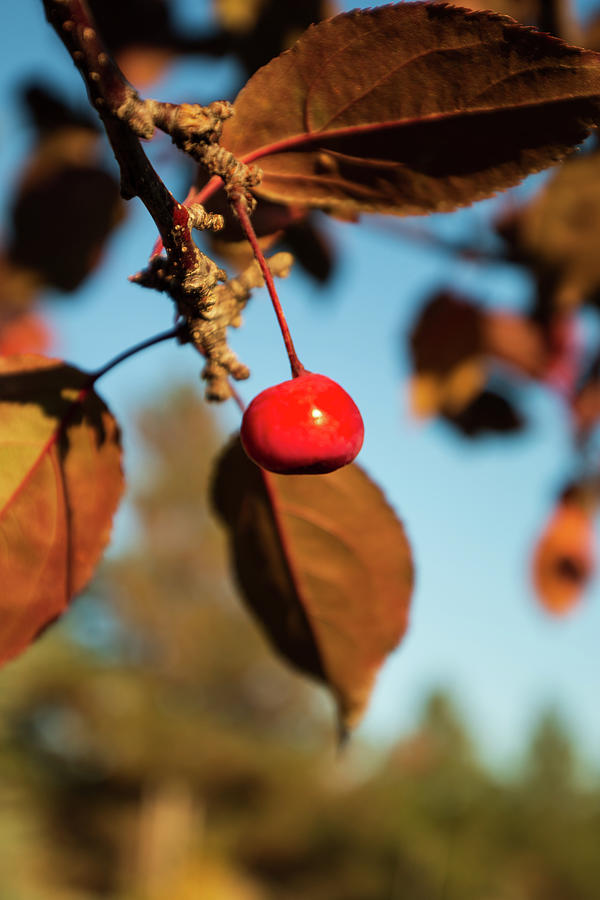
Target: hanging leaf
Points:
(324, 564)
(564, 559)
(447, 345)
(60, 483)
(412, 108)
(556, 234)
(488, 413)
(24, 333)
(61, 184)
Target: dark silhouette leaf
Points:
(60, 483)
(83, 205)
(411, 108)
(488, 413)
(324, 564)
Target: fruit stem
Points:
(242, 214)
(236, 396)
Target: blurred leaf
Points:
(311, 249)
(258, 30)
(19, 288)
(123, 23)
(556, 233)
(61, 219)
(412, 108)
(564, 558)
(488, 412)
(60, 483)
(238, 15)
(448, 331)
(49, 113)
(324, 564)
(447, 352)
(515, 339)
(270, 222)
(585, 402)
(25, 333)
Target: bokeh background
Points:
(151, 744)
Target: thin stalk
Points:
(149, 342)
(243, 216)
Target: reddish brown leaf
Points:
(411, 108)
(60, 483)
(516, 340)
(82, 203)
(66, 205)
(554, 16)
(564, 560)
(260, 29)
(25, 333)
(324, 564)
(556, 234)
(585, 402)
(447, 352)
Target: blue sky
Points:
(472, 511)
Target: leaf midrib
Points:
(298, 141)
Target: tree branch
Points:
(125, 119)
(189, 276)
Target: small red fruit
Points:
(306, 426)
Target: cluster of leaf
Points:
(470, 360)
(403, 109)
(64, 208)
(154, 750)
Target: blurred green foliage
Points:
(152, 748)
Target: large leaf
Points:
(60, 483)
(324, 564)
(412, 108)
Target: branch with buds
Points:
(204, 298)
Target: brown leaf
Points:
(411, 108)
(61, 219)
(60, 483)
(553, 16)
(66, 205)
(516, 340)
(488, 413)
(270, 221)
(311, 249)
(556, 234)
(585, 401)
(324, 564)
(447, 352)
(564, 558)
(24, 333)
(260, 29)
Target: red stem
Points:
(242, 213)
(236, 396)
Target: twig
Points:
(179, 332)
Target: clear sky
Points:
(472, 510)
